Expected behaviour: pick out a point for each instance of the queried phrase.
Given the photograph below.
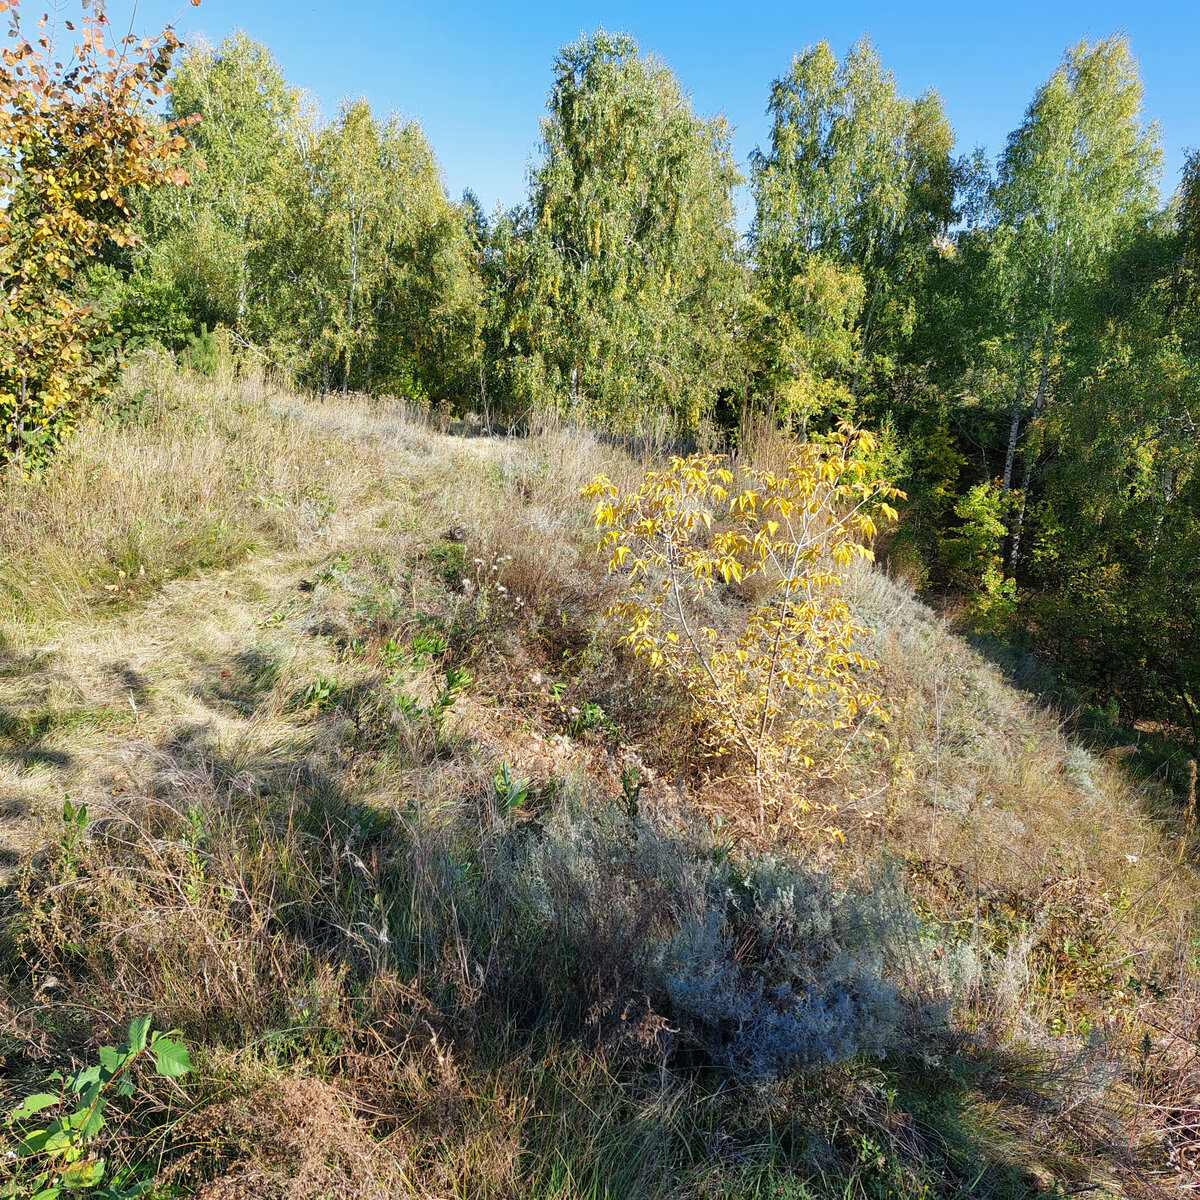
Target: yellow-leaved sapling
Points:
(784, 697)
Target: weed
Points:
(45, 1162)
(321, 693)
(451, 559)
(510, 793)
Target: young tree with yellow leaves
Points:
(791, 684)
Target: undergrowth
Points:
(447, 899)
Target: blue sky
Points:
(476, 75)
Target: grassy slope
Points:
(201, 610)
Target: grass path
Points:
(88, 702)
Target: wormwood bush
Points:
(771, 695)
(659, 942)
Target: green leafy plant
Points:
(334, 574)
(321, 693)
(457, 678)
(57, 1158)
(631, 790)
(75, 822)
(587, 717)
(510, 793)
(451, 558)
(203, 352)
(422, 730)
(391, 653)
(426, 645)
(975, 549)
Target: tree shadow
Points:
(1147, 754)
(302, 815)
(23, 737)
(131, 681)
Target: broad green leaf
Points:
(139, 1028)
(171, 1057)
(111, 1059)
(84, 1116)
(33, 1104)
(83, 1077)
(95, 1120)
(84, 1174)
(46, 1141)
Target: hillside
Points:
(431, 878)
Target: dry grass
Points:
(288, 853)
(202, 473)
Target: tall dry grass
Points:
(184, 473)
(398, 983)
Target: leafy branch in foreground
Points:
(771, 696)
(53, 1160)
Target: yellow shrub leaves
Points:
(784, 696)
(74, 144)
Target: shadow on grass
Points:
(23, 739)
(131, 681)
(252, 898)
(1147, 754)
(242, 684)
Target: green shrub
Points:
(45, 1161)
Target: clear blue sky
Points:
(476, 75)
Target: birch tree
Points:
(1078, 177)
(214, 242)
(855, 177)
(632, 280)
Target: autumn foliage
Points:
(75, 144)
(783, 697)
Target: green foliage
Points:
(75, 143)
(510, 793)
(1075, 182)
(850, 195)
(322, 693)
(630, 279)
(47, 1161)
(203, 352)
(451, 558)
(213, 244)
(332, 248)
(374, 263)
(74, 825)
(974, 550)
(457, 680)
(1118, 531)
